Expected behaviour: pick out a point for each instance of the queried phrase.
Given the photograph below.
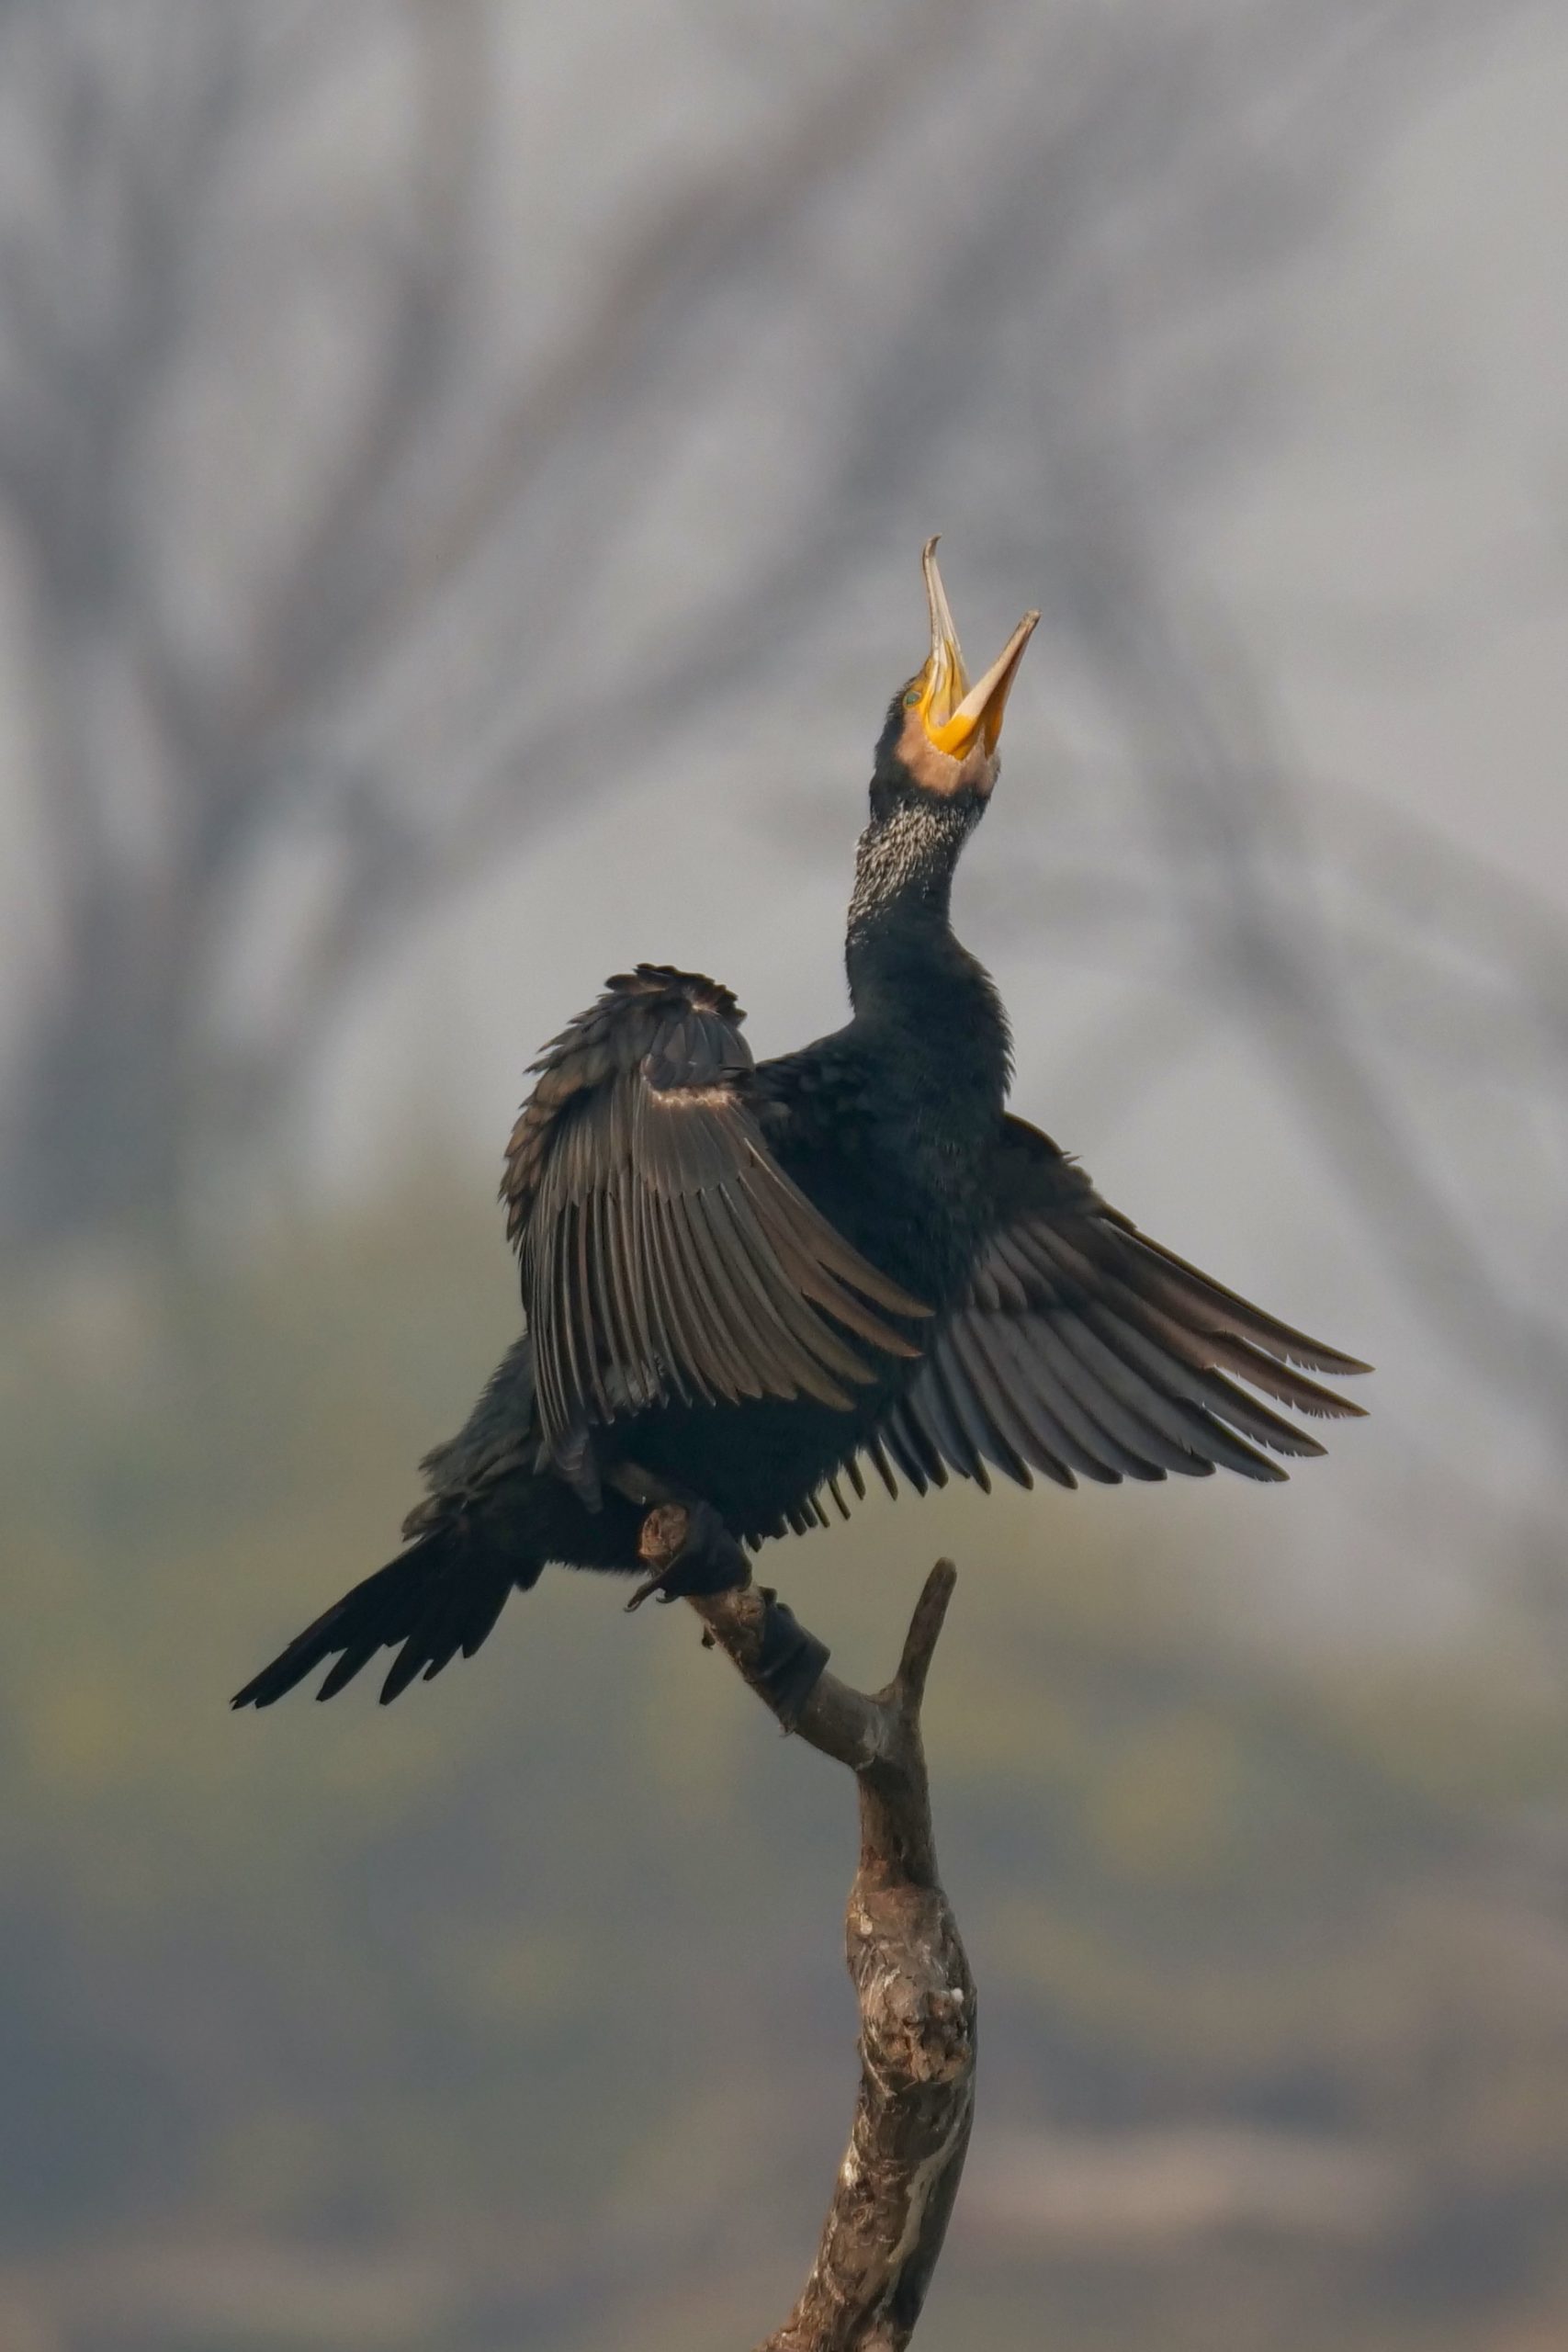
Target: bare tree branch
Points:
(916, 2101)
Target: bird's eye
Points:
(911, 698)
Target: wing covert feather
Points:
(666, 1256)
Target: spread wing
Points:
(666, 1256)
(1082, 1349)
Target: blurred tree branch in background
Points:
(1380, 966)
(189, 727)
(418, 426)
(362, 509)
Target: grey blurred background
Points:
(462, 472)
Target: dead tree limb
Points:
(901, 2171)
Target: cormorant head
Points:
(942, 734)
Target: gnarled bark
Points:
(901, 2171)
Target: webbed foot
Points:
(689, 1550)
(791, 1661)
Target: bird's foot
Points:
(689, 1549)
(690, 1552)
(790, 1662)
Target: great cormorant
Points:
(742, 1282)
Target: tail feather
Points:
(443, 1595)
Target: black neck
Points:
(903, 891)
(905, 968)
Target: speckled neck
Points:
(906, 971)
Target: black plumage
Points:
(742, 1281)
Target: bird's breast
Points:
(899, 1172)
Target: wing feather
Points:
(666, 1255)
(1079, 1347)
(1039, 1435)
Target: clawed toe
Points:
(689, 1550)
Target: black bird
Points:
(743, 1281)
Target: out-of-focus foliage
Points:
(514, 2013)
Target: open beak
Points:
(955, 713)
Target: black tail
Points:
(443, 1595)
